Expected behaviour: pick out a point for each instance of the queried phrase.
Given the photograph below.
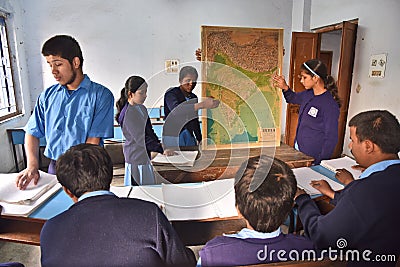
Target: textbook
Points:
(191, 201)
(305, 175)
(23, 202)
(182, 158)
(341, 163)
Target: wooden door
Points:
(305, 46)
(345, 75)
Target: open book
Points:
(191, 201)
(182, 158)
(23, 202)
(341, 163)
(305, 175)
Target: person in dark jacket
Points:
(365, 218)
(101, 229)
(182, 126)
(264, 191)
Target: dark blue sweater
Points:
(366, 215)
(317, 128)
(111, 231)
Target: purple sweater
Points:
(231, 251)
(317, 128)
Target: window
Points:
(8, 107)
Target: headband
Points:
(310, 69)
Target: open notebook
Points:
(305, 175)
(341, 163)
(182, 158)
(191, 201)
(24, 202)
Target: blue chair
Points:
(158, 129)
(154, 113)
(17, 138)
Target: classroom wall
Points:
(122, 38)
(377, 33)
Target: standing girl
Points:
(138, 131)
(317, 128)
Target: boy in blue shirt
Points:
(74, 111)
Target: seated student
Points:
(101, 229)
(181, 111)
(366, 210)
(264, 207)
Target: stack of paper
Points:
(182, 158)
(305, 175)
(24, 202)
(341, 163)
(191, 201)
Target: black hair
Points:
(64, 46)
(380, 127)
(132, 84)
(85, 168)
(187, 70)
(267, 206)
(319, 68)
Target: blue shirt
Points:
(96, 193)
(380, 166)
(67, 118)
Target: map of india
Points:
(237, 69)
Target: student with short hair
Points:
(101, 229)
(366, 211)
(264, 192)
(182, 126)
(75, 110)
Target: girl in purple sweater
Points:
(317, 128)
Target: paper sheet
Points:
(305, 175)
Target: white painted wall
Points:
(125, 37)
(377, 33)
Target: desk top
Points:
(224, 163)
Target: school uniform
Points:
(365, 216)
(104, 230)
(251, 247)
(181, 120)
(67, 118)
(133, 122)
(317, 128)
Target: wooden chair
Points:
(323, 263)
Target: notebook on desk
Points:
(191, 201)
(341, 163)
(305, 175)
(182, 158)
(24, 202)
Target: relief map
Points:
(237, 69)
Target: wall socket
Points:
(172, 65)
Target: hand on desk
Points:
(323, 187)
(344, 176)
(26, 176)
(169, 152)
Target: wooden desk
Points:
(222, 164)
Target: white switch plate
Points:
(172, 65)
